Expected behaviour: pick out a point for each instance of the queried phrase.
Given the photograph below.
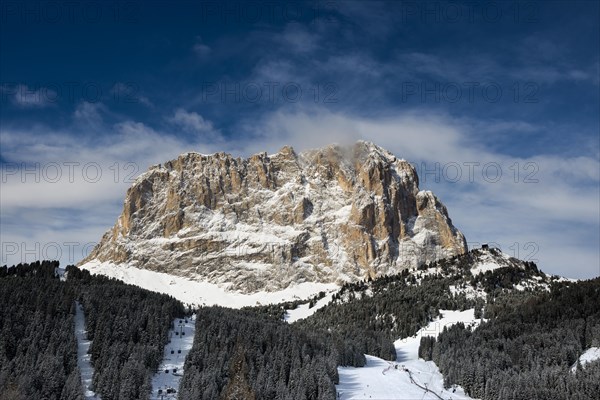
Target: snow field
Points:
(202, 293)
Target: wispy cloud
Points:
(201, 49)
(194, 123)
(89, 115)
(62, 189)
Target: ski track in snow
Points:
(84, 361)
(163, 380)
(385, 380)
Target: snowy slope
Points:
(180, 345)
(398, 380)
(591, 354)
(83, 358)
(488, 261)
(303, 310)
(202, 293)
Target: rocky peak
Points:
(332, 214)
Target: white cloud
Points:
(89, 114)
(70, 170)
(194, 123)
(298, 39)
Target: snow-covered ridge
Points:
(492, 260)
(203, 292)
(478, 263)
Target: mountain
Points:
(330, 215)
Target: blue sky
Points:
(496, 103)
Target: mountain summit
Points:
(329, 215)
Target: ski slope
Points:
(181, 346)
(405, 378)
(84, 361)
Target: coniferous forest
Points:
(244, 355)
(128, 327)
(375, 314)
(38, 349)
(525, 350)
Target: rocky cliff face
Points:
(269, 221)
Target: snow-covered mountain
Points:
(328, 215)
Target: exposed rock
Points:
(326, 215)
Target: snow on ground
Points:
(483, 267)
(302, 311)
(487, 261)
(202, 293)
(83, 358)
(591, 354)
(398, 380)
(469, 291)
(180, 345)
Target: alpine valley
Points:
(326, 274)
